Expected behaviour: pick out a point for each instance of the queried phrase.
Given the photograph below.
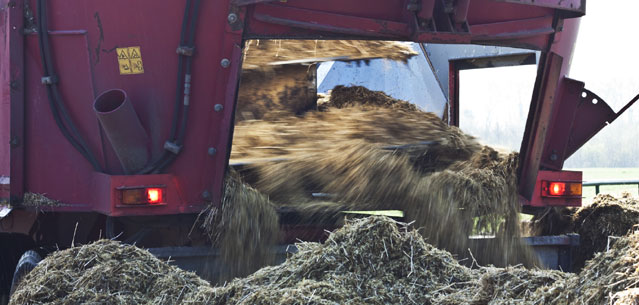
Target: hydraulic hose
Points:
(60, 114)
(182, 96)
(183, 89)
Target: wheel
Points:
(27, 262)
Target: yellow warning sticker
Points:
(130, 60)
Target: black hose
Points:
(187, 83)
(182, 90)
(189, 60)
(53, 94)
(178, 93)
(158, 163)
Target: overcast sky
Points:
(606, 53)
(605, 58)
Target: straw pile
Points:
(609, 276)
(261, 53)
(373, 260)
(343, 97)
(606, 216)
(105, 272)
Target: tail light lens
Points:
(142, 196)
(560, 189)
(154, 195)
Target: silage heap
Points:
(373, 260)
(377, 261)
(610, 276)
(606, 216)
(371, 152)
(368, 261)
(105, 272)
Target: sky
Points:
(605, 58)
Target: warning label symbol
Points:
(122, 54)
(134, 53)
(130, 60)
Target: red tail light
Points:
(561, 189)
(154, 195)
(142, 195)
(557, 188)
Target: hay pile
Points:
(609, 276)
(105, 272)
(606, 216)
(261, 53)
(373, 260)
(367, 262)
(343, 97)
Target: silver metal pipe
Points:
(123, 129)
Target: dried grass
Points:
(626, 297)
(244, 228)
(317, 132)
(374, 260)
(444, 203)
(262, 52)
(444, 183)
(378, 261)
(601, 279)
(606, 216)
(343, 97)
(105, 272)
(38, 200)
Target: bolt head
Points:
(218, 107)
(206, 195)
(225, 63)
(212, 151)
(232, 18)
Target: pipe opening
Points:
(109, 101)
(123, 128)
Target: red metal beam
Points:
(329, 22)
(485, 22)
(535, 136)
(15, 60)
(576, 7)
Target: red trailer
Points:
(121, 112)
